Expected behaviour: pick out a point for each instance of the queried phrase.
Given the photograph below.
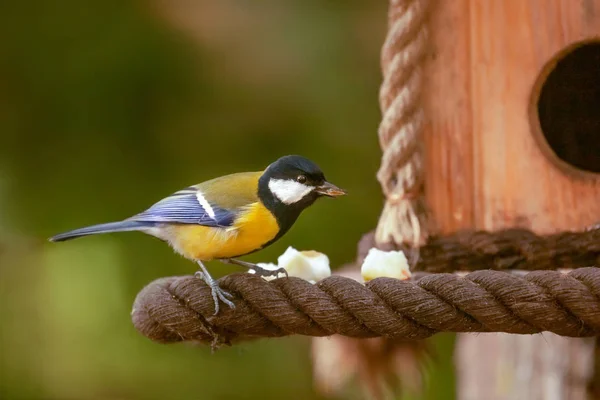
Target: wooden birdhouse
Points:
(512, 104)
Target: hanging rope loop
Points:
(403, 218)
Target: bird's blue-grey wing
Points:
(187, 206)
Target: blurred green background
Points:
(107, 106)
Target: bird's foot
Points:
(270, 272)
(257, 270)
(216, 291)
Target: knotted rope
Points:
(403, 218)
(181, 309)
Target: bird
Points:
(228, 217)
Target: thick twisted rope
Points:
(181, 308)
(510, 249)
(403, 219)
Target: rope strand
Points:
(403, 219)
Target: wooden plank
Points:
(449, 127)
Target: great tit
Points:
(228, 217)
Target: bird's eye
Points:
(301, 178)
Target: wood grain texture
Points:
(486, 170)
(448, 108)
(515, 183)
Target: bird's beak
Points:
(329, 189)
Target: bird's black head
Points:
(291, 184)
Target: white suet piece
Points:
(309, 265)
(391, 264)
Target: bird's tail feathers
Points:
(121, 226)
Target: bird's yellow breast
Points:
(252, 229)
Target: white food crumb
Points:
(309, 265)
(391, 264)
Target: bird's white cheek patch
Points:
(288, 191)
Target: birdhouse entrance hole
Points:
(565, 108)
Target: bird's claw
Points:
(269, 272)
(224, 296)
(257, 270)
(216, 292)
(227, 295)
(283, 271)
